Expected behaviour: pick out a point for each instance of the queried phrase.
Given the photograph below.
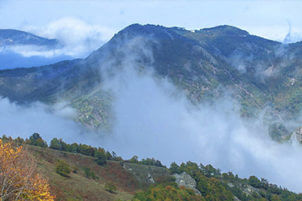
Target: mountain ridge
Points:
(17, 37)
(204, 64)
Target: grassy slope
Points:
(78, 186)
(130, 178)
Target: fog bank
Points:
(152, 122)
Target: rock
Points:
(186, 180)
(298, 134)
(150, 179)
(230, 185)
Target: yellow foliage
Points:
(18, 177)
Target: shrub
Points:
(254, 181)
(168, 192)
(36, 140)
(110, 187)
(174, 168)
(101, 158)
(89, 173)
(63, 168)
(75, 169)
(19, 179)
(58, 144)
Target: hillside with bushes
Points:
(82, 172)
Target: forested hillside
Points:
(81, 172)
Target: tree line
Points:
(99, 153)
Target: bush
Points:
(110, 187)
(58, 144)
(101, 158)
(169, 192)
(63, 168)
(174, 168)
(75, 169)
(36, 140)
(254, 181)
(89, 174)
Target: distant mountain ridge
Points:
(23, 49)
(205, 63)
(10, 37)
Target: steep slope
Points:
(184, 61)
(139, 180)
(205, 64)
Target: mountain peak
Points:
(225, 30)
(143, 29)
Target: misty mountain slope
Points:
(10, 37)
(205, 64)
(23, 49)
(271, 66)
(47, 83)
(180, 59)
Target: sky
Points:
(270, 19)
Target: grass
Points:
(78, 186)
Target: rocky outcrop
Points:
(186, 180)
(298, 134)
(145, 174)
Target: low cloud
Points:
(152, 122)
(77, 37)
(153, 118)
(49, 121)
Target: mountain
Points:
(206, 64)
(15, 46)
(12, 37)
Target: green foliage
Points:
(101, 158)
(174, 168)
(134, 159)
(99, 153)
(211, 183)
(58, 144)
(168, 192)
(36, 140)
(254, 181)
(110, 187)
(62, 168)
(151, 161)
(147, 161)
(89, 173)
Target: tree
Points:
(86, 150)
(101, 158)
(254, 181)
(174, 168)
(134, 159)
(168, 192)
(19, 179)
(58, 144)
(63, 168)
(74, 147)
(36, 140)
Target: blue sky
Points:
(95, 21)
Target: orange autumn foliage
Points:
(18, 177)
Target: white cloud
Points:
(78, 38)
(276, 32)
(151, 122)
